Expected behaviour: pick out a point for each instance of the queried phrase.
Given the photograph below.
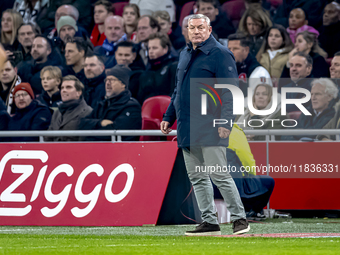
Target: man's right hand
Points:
(165, 127)
(104, 123)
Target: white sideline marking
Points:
(13, 230)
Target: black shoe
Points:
(205, 229)
(240, 226)
(257, 216)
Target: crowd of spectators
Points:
(83, 65)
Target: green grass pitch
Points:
(169, 239)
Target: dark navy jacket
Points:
(95, 90)
(4, 117)
(209, 60)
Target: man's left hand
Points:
(223, 132)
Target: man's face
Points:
(66, 31)
(155, 49)
(199, 31)
(331, 14)
(68, 91)
(62, 11)
(72, 55)
(113, 86)
(93, 67)
(8, 73)
(165, 25)
(26, 36)
(185, 30)
(48, 82)
(240, 53)
(40, 50)
(298, 68)
(124, 55)
(320, 99)
(208, 10)
(100, 14)
(144, 30)
(114, 28)
(22, 99)
(297, 19)
(335, 68)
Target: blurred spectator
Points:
(72, 109)
(335, 66)
(131, 15)
(312, 7)
(10, 22)
(31, 10)
(148, 7)
(50, 79)
(307, 42)
(75, 52)
(175, 36)
(29, 71)
(114, 32)
(64, 10)
(273, 55)
(26, 35)
(4, 5)
(4, 116)
(8, 80)
(102, 9)
(254, 24)
(298, 23)
(126, 55)
(247, 66)
(301, 66)
(323, 96)
(95, 75)
(146, 26)
(220, 23)
(118, 110)
(329, 33)
(30, 113)
(58, 8)
(262, 100)
(185, 29)
(159, 79)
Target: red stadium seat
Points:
(275, 3)
(234, 10)
(119, 7)
(294, 115)
(152, 114)
(186, 10)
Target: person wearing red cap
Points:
(30, 113)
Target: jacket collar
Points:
(205, 46)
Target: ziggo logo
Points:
(26, 170)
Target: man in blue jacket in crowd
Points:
(203, 144)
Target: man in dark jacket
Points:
(220, 23)
(329, 33)
(50, 79)
(73, 108)
(202, 143)
(4, 116)
(95, 75)
(247, 64)
(118, 110)
(159, 79)
(323, 95)
(301, 66)
(29, 71)
(30, 113)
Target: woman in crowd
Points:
(273, 55)
(298, 22)
(262, 100)
(31, 9)
(10, 22)
(254, 23)
(307, 42)
(131, 15)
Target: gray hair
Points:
(186, 18)
(199, 16)
(330, 88)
